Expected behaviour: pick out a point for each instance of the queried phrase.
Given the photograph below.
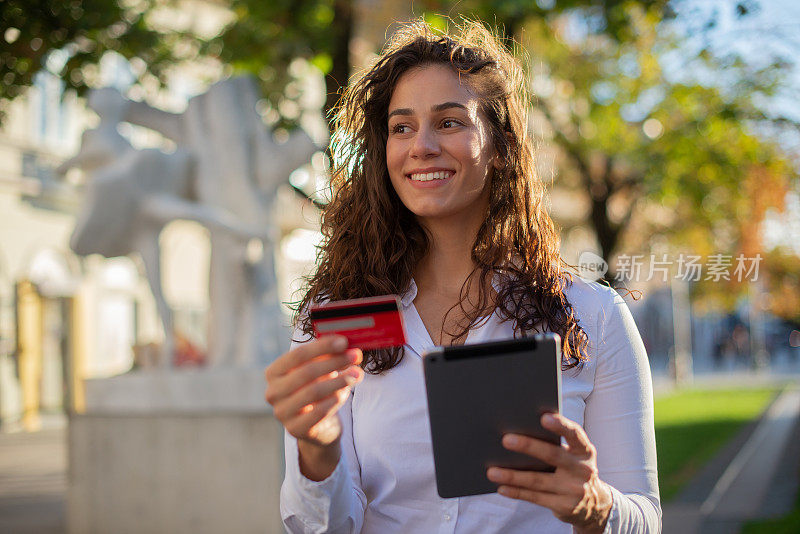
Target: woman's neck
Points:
(448, 262)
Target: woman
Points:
(436, 199)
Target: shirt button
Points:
(447, 517)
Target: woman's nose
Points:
(425, 144)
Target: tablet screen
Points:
(477, 393)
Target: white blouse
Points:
(385, 483)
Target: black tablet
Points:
(477, 393)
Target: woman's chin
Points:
(434, 213)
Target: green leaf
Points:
(323, 62)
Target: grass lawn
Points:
(692, 425)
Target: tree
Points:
(261, 38)
(609, 17)
(630, 134)
(80, 32)
(264, 38)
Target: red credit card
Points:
(368, 323)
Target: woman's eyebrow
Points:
(448, 105)
(400, 111)
(436, 108)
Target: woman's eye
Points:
(449, 123)
(400, 128)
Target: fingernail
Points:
(511, 440)
(493, 473)
(352, 356)
(340, 343)
(352, 371)
(548, 418)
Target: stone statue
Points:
(224, 175)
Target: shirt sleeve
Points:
(618, 420)
(335, 505)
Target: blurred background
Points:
(668, 133)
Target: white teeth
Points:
(427, 177)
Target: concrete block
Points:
(174, 473)
(171, 452)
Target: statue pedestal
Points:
(175, 451)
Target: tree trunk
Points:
(607, 232)
(337, 78)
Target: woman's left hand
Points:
(574, 492)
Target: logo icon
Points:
(591, 267)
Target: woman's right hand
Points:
(306, 387)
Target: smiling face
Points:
(439, 151)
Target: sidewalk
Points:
(33, 481)
(754, 476)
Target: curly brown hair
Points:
(372, 242)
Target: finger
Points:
(531, 480)
(355, 371)
(310, 394)
(300, 425)
(320, 366)
(332, 344)
(573, 433)
(556, 503)
(554, 455)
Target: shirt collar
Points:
(410, 294)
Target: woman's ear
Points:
(497, 161)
